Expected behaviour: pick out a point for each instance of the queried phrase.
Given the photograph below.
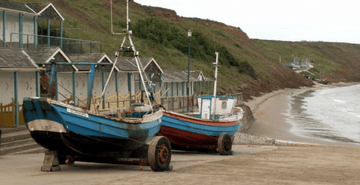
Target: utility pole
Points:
(188, 83)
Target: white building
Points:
(19, 22)
(19, 78)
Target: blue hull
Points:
(67, 129)
(209, 128)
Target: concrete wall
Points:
(248, 118)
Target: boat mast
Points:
(216, 71)
(140, 68)
(215, 81)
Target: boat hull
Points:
(188, 132)
(73, 131)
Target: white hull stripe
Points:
(45, 125)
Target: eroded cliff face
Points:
(346, 55)
(280, 77)
(272, 75)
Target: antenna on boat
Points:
(140, 68)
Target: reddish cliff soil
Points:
(279, 76)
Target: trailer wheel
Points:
(159, 153)
(224, 144)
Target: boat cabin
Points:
(214, 108)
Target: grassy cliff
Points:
(247, 65)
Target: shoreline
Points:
(280, 162)
(270, 119)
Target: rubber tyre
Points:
(159, 153)
(224, 144)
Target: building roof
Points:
(197, 74)
(128, 64)
(46, 10)
(125, 64)
(12, 58)
(91, 58)
(15, 6)
(49, 54)
(176, 76)
(182, 76)
(37, 7)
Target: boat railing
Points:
(238, 96)
(116, 101)
(179, 103)
(69, 46)
(126, 112)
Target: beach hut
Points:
(19, 77)
(199, 84)
(20, 24)
(114, 86)
(16, 19)
(63, 76)
(174, 83)
(128, 70)
(197, 74)
(174, 90)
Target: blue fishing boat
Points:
(212, 128)
(121, 135)
(72, 130)
(78, 134)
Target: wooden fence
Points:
(115, 101)
(7, 115)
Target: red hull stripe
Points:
(185, 138)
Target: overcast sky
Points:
(287, 20)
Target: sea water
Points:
(331, 113)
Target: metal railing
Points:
(180, 103)
(69, 46)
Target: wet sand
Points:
(270, 120)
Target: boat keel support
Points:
(51, 161)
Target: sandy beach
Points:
(249, 164)
(319, 162)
